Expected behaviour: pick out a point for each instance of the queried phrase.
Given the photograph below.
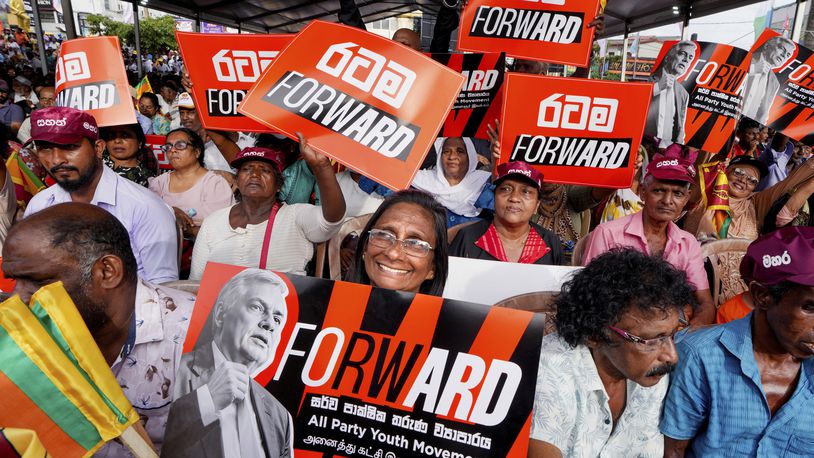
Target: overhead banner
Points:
(697, 89)
(222, 68)
(779, 90)
(573, 130)
(370, 103)
(154, 143)
(362, 371)
(548, 30)
(90, 76)
(479, 101)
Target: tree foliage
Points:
(156, 34)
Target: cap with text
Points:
(782, 255)
(62, 125)
(519, 168)
(185, 101)
(273, 156)
(671, 169)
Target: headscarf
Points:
(459, 199)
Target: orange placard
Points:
(549, 30)
(223, 67)
(154, 143)
(574, 130)
(90, 76)
(366, 101)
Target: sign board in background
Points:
(548, 30)
(478, 103)
(574, 130)
(90, 76)
(370, 103)
(154, 143)
(223, 67)
(385, 373)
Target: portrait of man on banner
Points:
(668, 107)
(761, 83)
(218, 404)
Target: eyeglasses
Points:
(741, 174)
(652, 344)
(143, 107)
(386, 239)
(179, 145)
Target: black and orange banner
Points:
(479, 101)
(779, 90)
(697, 89)
(90, 76)
(222, 68)
(574, 130)
(364, 372)
(549, 30)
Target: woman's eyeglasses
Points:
(652, 344)
(386, 239)
(179, 145)
(741, 174)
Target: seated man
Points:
(664, 192)
(600, 383)
(746, 388)
(67, 144)
(139, 327)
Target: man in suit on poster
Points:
(761, 83)
(668, 107)
(219, 409)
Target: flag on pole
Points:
(143, 86)
(54, 378)
(26, 183)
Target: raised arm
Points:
(330, 194)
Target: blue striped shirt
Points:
(716, 397)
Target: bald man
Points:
(138, 326)
(408, 38)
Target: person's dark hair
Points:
(89, 240)
(170, 84)
(614, 282)
(746, 124)
(153, 98)
(143, 151)
(433, 286)
(194, 140)
(780, 289)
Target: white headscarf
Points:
(459, 199)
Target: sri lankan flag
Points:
(143, 86)
(715, 195)
(26, 183)
(54, 379)
(22, 443)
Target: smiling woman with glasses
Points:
(404, 245)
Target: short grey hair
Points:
(246, 280)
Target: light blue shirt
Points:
(716, 399)
(148, 220)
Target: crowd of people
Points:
(90, 207)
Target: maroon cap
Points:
(782, 255)
(273, 156)
(62, 125)
(671, 169)
(519, 168)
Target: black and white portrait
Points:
(218, 406)
(668, 107)
(762, 84)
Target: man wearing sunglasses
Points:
(601, 379)
(66, 142)
(746, 388)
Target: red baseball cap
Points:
(671, 169)
(62, 125)
(519, 169)
(273, 156)
(782, 255)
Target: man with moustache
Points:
(668, 107)
(746, 388)
(219, 409)
(600, 382)
(66, 142)
(761, 83)
(664, 191)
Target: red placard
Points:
(549, 30)
(366, 101)
(90, 76)
(574, 130)
(155, 142)
(223, 67)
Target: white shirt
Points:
(213, 158)
(666, 113)
(357, 201)
(571, 409)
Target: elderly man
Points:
(746, 388)
(668, 107)
(761, 83)
(67, 144)
(600, 383)
(664, 192)
(220, 410)
(138, 326)
(219, 149)
(47, 99)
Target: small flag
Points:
(26, 183)
(143, 86)
(715, 195)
